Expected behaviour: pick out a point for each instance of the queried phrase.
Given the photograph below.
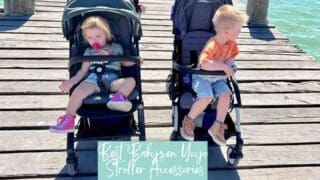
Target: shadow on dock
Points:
(261, 32)
(8, 23)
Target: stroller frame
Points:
(131, 54)
(176, 80)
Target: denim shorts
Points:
(107, 79)
(205, 88)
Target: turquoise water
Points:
(299, 21)
(1, 3)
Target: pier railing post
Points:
(19, 7)
(257, 11)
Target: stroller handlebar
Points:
(181, 68)
(112, 58)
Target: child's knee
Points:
(131, 81)
(206, 100)
(224, 96)
(127, 63)
(77, 93)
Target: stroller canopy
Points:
(194, 15)
(76, 10)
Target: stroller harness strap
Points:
(100, 70)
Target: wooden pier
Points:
(280, 88)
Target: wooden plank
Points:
(257, 56)
(24, 140)
(54, 162)
(152, 47)
(159, 101)
(148, 36)
(33, 30)
(161, 75)
(146, 44)
(293, 173)
(59, 37)
(147, 29)
(32, 37)
(51, 87)
(42, 119)
(162, 118)
(242, 48)
(162, 65)
(34, 64)
(34, 44)
(248, 65)
(56, 16)
(282, 87)
(271, 156)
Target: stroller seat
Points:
(97, 122)
(192, 28)
(193, 43)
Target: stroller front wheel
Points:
(174, 136)
(72, 168)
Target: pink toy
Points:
(96, 46)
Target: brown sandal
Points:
(218, 138)
(186, 131)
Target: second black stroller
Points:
(96, 120)
(192, 28)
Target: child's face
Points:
(96, 35)
(234, 31)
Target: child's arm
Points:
(216, 66)
(68, 84)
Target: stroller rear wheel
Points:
(231, 153)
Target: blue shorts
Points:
(107, 79)
(205, 88)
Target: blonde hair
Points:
(226, 16)
(96, 22)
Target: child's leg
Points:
(123, 87)
(223, 106)
(188, 123)
(127, 63)
(217, 129)
(65, 123)
(78, 95)
(199, 106)
(204, 97)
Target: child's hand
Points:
(66, 85)
(228, 70)
(141, 60)
(142, 8)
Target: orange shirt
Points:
(218, 52)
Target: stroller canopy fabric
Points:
(111, 8)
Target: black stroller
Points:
(96, 120)
(192, 27)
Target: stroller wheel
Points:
(72, 168)
(174, 136)
(230, 155)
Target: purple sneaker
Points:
(65, 124)
(119, 103)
